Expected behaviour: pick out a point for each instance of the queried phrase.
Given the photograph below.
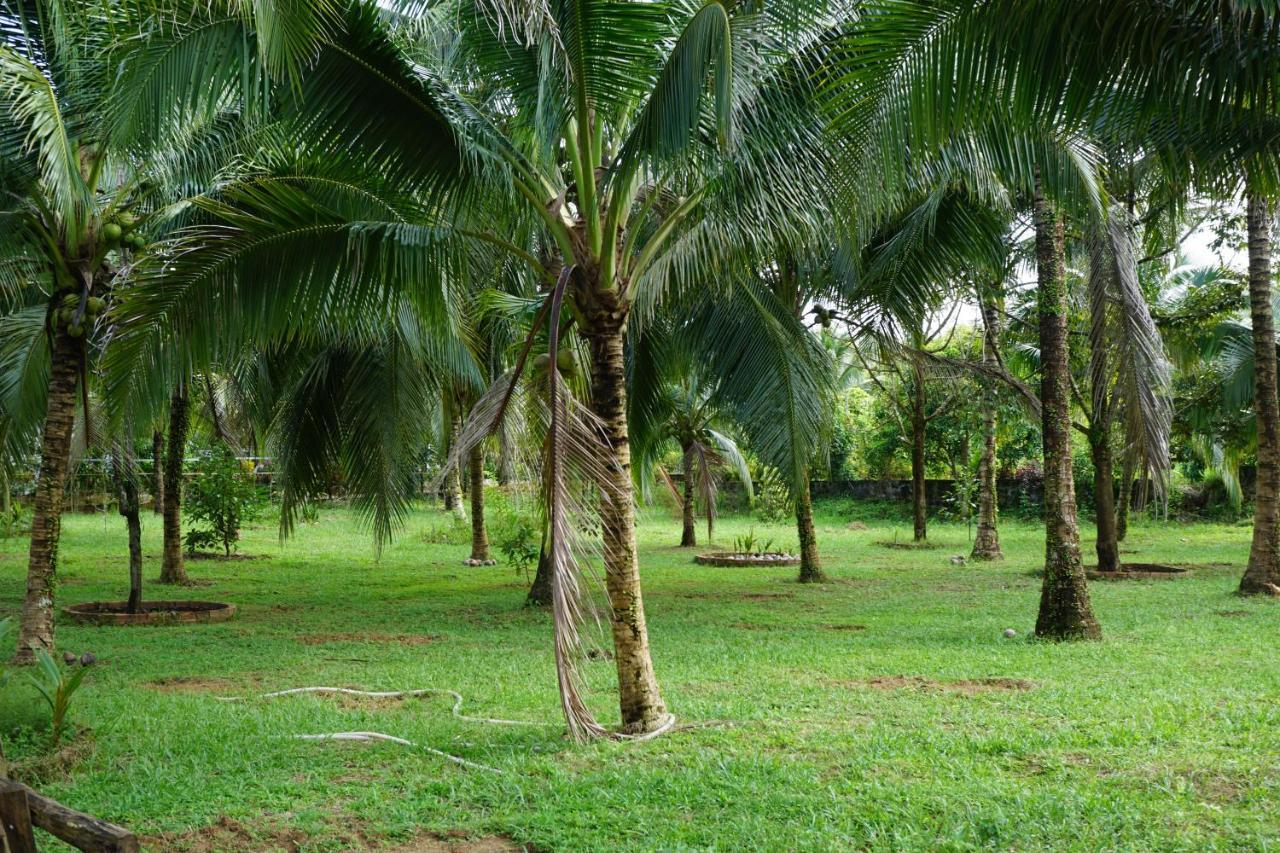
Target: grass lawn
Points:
(851, 714)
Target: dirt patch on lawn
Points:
(229, 834)
(768, 596)
(458, 842)
(965, 686)
(847, 628)
(856, 525)
(1233, 614)
(353, 637)
(198, 684)
(909, 546)
(201, 556)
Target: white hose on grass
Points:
(667, 725)
(390, 694)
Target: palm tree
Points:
(691, 418)
(600, 134)
(64, 215)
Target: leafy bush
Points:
(17, 522)
(220, 499)
(517, 534)
(773, 503)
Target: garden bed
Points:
(729, 558)
(152, 612)
(1137, 572)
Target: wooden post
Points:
(15, 819)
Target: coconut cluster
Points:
(75, 321)
(566, 363)
(120, 231)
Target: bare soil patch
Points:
(909, 546)
(845, 627)
(966, 686)
(198, 684)
(354, 637)
(225, 558)
(1138, 571)
(1233, 614)
(768, 596)
(458, 842)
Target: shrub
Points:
(220, 499)
(773, 503)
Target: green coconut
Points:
(112, 234)
(541, 361)
(95, 305)
(567, 361)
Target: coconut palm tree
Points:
(68, 225)
(597, 129)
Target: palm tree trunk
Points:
(172, 568)
(157, 472)
(124, 472)
(36, 628)
(638, 696)
(453, 483)
(1104, 500)
(540, 591)
(689, 536)
(919, 500)
(1125, 501)
(986, 545)
(506, 470)
(479, 535)
(1263, 572)
(1065, 610)
(810, 561)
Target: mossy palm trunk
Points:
(986, 544)
(919, 423)
(639, 699)
(479, 535)
(1065, 610)
(453, 482)
(1125, 501)
(157, 472)
(36, 628)
(172, 568)
(689, 535)
(1263, 572)
(810, 561)
(124, 472)
(1104, 501)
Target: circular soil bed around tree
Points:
(152, 613)
(1137, 572)
(728, 559)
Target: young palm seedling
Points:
(57, 686)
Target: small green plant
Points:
(519, 546)
(220, 499)
(309, 513)
(15, 522)
(57, 686)
(750, 544)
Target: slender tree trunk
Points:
(1263, 572)
(479, 535)
(1125, 501)
(453, 483)
(1104, 500)
(6, 500)
(638, 696)
(506, 470)
(36, 628)
(986, 545)
(810, 561)
(540, 589)
(157, 472)
(919, 499)
(689, 536)
(125, 472)
(172, 568)
(1065, 610)
(215, 413)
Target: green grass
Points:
(1165, 735)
